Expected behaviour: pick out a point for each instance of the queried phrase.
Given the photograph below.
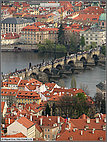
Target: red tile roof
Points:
(28, 95)
(93, 9)
(2, 106)
(87, 135)
(49, 121)
(23, 83)
(18, 135)
(89, 17)
(81, 123)
(38, 127)
(25, 122)
(10, 36)
(83, 117)
(13, 80)
(4, 84)
(79, 4)
(9, 92)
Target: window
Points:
(48, 130)
(48, 136)
(45, 130)
(102, 23)
(45, 136)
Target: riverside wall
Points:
(19, 47)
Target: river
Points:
(12, 60)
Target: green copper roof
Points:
(102, 17)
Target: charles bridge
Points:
(70, 62)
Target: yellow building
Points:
(28, 97)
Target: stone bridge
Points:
(73, 60)
(76, 60)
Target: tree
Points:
(72, 42)
(61, 35)
(82, 42)
(61, 83)
(64, 104)
(93, 45)
(103, 50)
(53, 109)
(75, 106)
(60, 48)
(73, 82)
(47, 110)
(84, 88)
(98, 100)
(11, 100)
(103, 106)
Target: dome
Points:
(102, 17)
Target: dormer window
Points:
(101, 138)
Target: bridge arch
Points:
(46, 70)
(95, 57)
(83, 59)
(33, 75)
(71, 63)
(59, 67)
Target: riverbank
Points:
(19, 48)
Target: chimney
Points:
(88, 120)
(37, 115)
(81, 133)
(58, 119)
(93, 130)
(9, 120)
(97, 120)
(47, 115)
(105, 119)
(30, 117)
(3, 125)
(41, 121)
(29, 108)
(69, 125)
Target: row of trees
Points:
(75, 106)
(50, 46)
(72, 106)
(67, 42)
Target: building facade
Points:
(94, 35)
(13, 25)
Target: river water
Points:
(20, 60)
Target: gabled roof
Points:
(101, 86)
(38, 127)
(83, 117)
(25, 122)
(49, 121)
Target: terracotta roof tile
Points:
(18, 135)
(87, 135)
(25, 122)
(2, 106)
(9, 92)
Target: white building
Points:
(22, 125)
(96, 35)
